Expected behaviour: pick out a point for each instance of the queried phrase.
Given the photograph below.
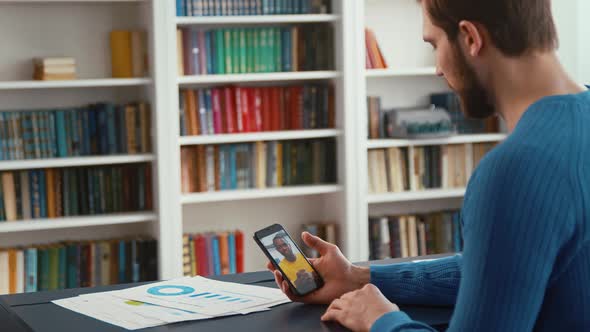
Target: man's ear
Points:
(471, 37)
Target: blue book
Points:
(92, 130)
(43, 193)
(457, 237)
(189, 7)
(135, 261)
(286, 50)
(216, 256)
(222, 168)
(231, 243)
(122, 260)
(90, 174)
(31, 270)
(180, 8)
(211, 53)
(62, 148)
(182, 115)
(62, 267)
(195, 54)
(76, 128)
(122, 130)
(3, 149)
(203, 112)
(102, 131)
(305, 6)
(85, 132)
(233, 168)
(111, 128)
(52, 135)
(218, 8)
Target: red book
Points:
(283, 122)
(295, 107)
(239, 251)
(266, 110)
(202, 255)
(230, 110)
(251, 109)
(256, 95)
(275, 109)
(216, 97)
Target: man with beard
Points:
(526, 259)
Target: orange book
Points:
(50, 183)
(217, 168)
(121, 54)
(192, 113)
(224, 253)
(202, 168)
(12, 279)
(185, 170)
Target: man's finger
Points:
(332, 315)
(270, 266)
(316, 243)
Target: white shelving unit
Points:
(250, 210)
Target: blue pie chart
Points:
(170, 290)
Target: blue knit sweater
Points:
(526, 227)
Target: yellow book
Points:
(179, 52)
(130, 115)
(121, 56)
(12, 279)
(145, 125)
(139, 53)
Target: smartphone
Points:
(286, 257)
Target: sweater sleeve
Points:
(516, 218)
(433, 282)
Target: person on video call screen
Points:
(292, 263)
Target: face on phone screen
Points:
(291, 262)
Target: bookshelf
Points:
(408, 81)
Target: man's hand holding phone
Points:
(339, 275)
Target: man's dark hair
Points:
(280, 236)
(515, 26)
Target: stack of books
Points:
(258, 165)
(255, 50)
(415, 235)
(77, 264)
(54, 69)
(229, 110)
(374, 59)
(210, 254)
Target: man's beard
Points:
(475, 100)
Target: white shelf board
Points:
(421, 195)
(245, 194)
(66, 1)
(78, 83)
(257, 19)
(259, 136)
(76, 222)
(400, 72)
(74, 161)
(258, 77)
(459, 139)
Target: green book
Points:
(270, 35)
(228, 52)
(62, 267)
(243, 51)
(219, 51)
(250, 50)
(108, 193)
(43, 269)
(263, 42)
(287, 163)
(72, 192)
(277, 50)
(257, 50)
(73, 265)
(235, 39)
(53, 268)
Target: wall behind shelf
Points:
(80, 30)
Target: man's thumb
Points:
(316, 243)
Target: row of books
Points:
(129, 56)
(255, 50)
(326, 231)
(258, 165)
(433, 167)
(78, 264)
(210, 254)
(99, 129)
(374, 59)
(62, 192)
(382, 121)
(415, 235)
(229, 110)
(250, 7)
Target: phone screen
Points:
(287, 258)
